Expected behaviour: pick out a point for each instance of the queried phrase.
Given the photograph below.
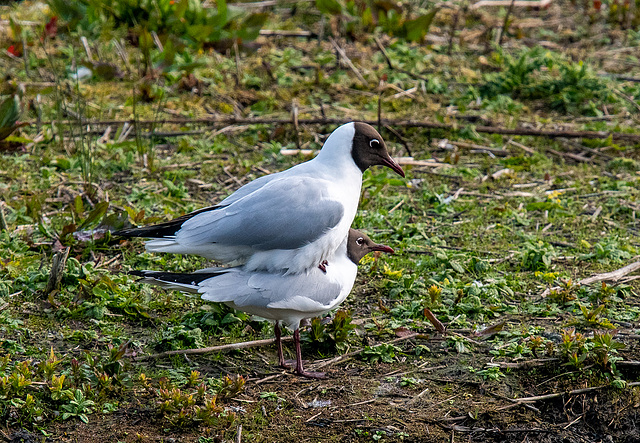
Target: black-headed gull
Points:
(289, 221)
(283, 298)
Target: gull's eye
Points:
(374, 143)
(359, 241)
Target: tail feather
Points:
(161, 230)
(175, 280)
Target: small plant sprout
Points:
(605, 293)
(4, 362)
(194, 379)
(537, 256)
(409, 382)
(28, 407)
(592, 317)
(273, 396)
(491, 373)
(340, 328)
(459, 343)
(547, 277)
(190, 406)
(18, 382)
(49, 365)
(576, 360)
(78, 407)
(572, 342)
(144, 380)
(384, 352)
(57, 388)
(104, 382)
(605, 348)
(563, 294)
(535, 342)
(434, 293)
(77, 372)
(232, 385)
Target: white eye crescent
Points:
(374, 143)
(359, 241)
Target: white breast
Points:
(346, 187)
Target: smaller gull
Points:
(283, 298)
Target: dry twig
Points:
(517, 3)
(220, 348)
(348, 355)
(560, 394)
(348, 61)
(228, 121)
(58, 264)
(524, 364)
(278, 33)
(613, 276)
(392, 67)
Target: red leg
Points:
(299, 369)
(323, 266)
(278, 332)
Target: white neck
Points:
(336, 152)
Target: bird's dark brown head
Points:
(369, 149)
(359, 245)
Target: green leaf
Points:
(222, 9)
(78, 207)
(332, 7)
(230, 319)
(97, 213)
(7, 130)
(251, 26)
(457, 267)
(9, 112)
(169, 53)
(181, 8)
(416, 29)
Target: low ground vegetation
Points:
(485, 326)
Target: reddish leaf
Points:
(11, 146)
(51, 28)
(15, 50)
(57, 246)
(403, 331)
(139, 217)
(67, 230)
(6, 131)
(490, 330)
(434, 321)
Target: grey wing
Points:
(227, 287)
(301, 292)
(234, 287)
(304, 293)
(250, 187)
(282, 214)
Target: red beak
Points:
(391, 163)
(382, 248)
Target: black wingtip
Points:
(137, 273)
(154, 231)
(193, 278)
(161, 230)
